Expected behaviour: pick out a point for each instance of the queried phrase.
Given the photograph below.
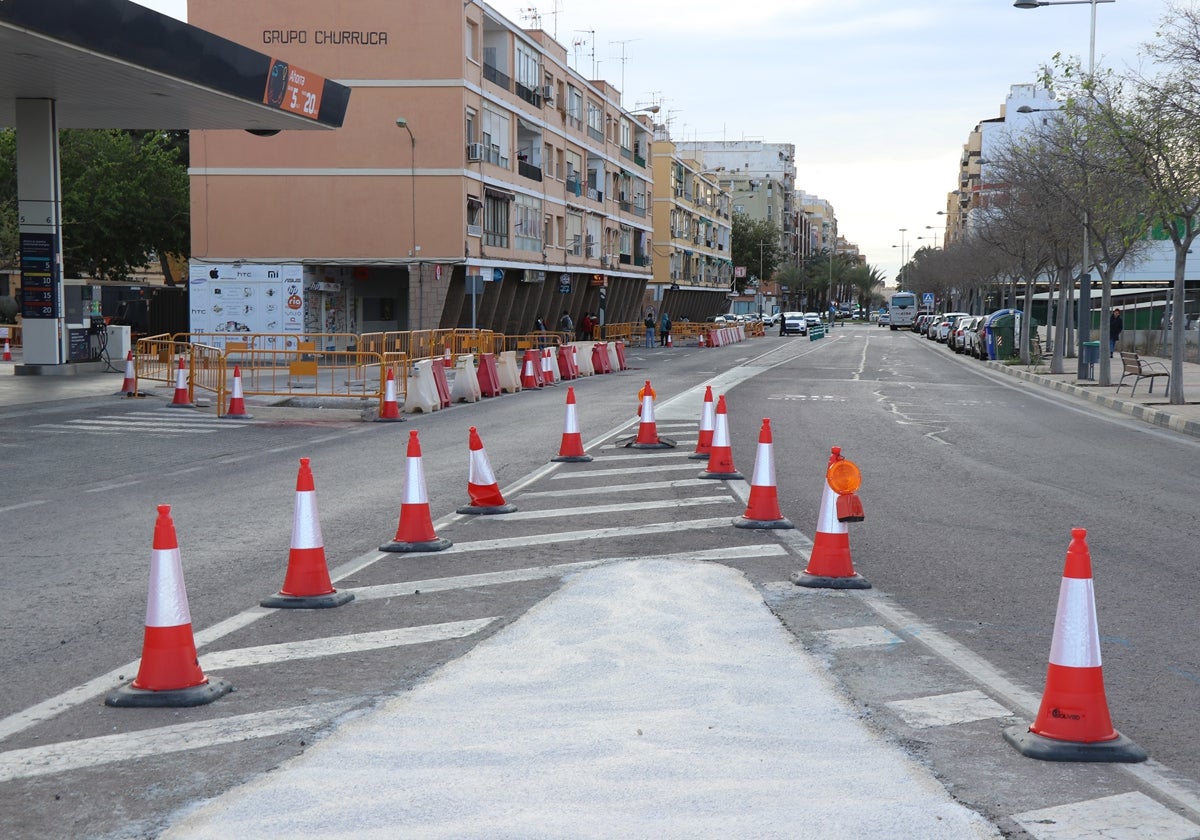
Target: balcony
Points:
(627, 153)
(574, 186)
(528, 170)
(639, 160)
(639, 210)
(643, 260)
(493, 75)
(529, 95)
(596, 134)
(626, 207)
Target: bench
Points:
(1139, 369)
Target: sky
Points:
(878, 96)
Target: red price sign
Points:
(293, 89)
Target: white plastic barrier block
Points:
(422, 394)
(506, 369)
(466, 381)
(583, 357)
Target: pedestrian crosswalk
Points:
(166, 422)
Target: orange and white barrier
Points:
(707, 420)
(482, 488)
(647, 436)
(531, 370)
(237, 400)
(129, 385)
(720, 456)
(169, 673)
(829, 562)
(762, 510)
(7, 351)
(572, 441)
(390, 413)
(1073, 723)
(307, 585)
(415, 531)
(549, 370)
(181, 399)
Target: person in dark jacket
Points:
(1115, 325)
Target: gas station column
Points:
(39, 203)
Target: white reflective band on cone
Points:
(764, 467)
(306, 527)
(166, 604)
(827, 521)
(414, 483)
(1076, 636)
(480, 471)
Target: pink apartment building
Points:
(471, 157)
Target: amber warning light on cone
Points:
(844, 479)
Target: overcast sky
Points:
(877, 95)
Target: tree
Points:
(756, 246)
(125, 200)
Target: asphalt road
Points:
(972, 483)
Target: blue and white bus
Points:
(902, 310)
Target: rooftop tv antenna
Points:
(534, 16)
(590, 40)
(623, 59)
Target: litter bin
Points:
(1091, 356)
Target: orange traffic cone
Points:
(390, 413)
(7, 351)
(572, 442)
(237, 401)
(181, 398)
(531, 376)
(169, 673)
(415, 531)
(700, 340)
(829, 563)
(704, 442)
(762, 511)
(548, 367)
(129, 385)
(720, 456)
(306, 584)
(647, 436)
(669, 344)
(1073, 723)
(481, 482)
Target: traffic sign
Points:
(927, 299)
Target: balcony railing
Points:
(626, 259)
(626, 207)
(596, 134)
(639, 210)
(574, 186)
(493, 75)
(639, 160)
(529, 95)
(528, 170)
(627, 153)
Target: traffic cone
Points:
(1073, 723)
(169, 673)
(180, 399)
(129, 385)
(704, 442)
(669, 344)
(415, 532)
(390, 413)
(547, 367)
(531, 376)
(7, 351)
(306, 584)
(762, 511)
(481, 482)
(829, 563)
(700, 340)
(572, 442)
(647, 436)
(237, 402)
(720, 456)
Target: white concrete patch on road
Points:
(625, 507)
(622, 488)
(852, 637)
(90, 752)
(948, 709)
(1125, 816)
(338, 645)
(649, 468)
(583, 536)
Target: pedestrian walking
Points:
(664, 330)
(566, 324)
(650, 329)
(1115, 326)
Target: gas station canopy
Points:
(115, 64)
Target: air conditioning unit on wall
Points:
(548, 93)
(475, 151)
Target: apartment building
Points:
(478, 179)
(693, 236)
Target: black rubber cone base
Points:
(721, 475)
(631, 443)
(388, 420)
(743, 522)
(140, 698)
(698, 456)
(430, 545)
(307, 602)
(237, 416)
(824, 582)
(1032, 745)
(486, 510)
(572, 459)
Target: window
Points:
(472, 117)
(495, 137)
(529, 68)
(595, 120)
(574, 242)
(592, 245)
(575, 106)
(472, 44)
(474, 212)
(495, 220)
(626, 134)
(527, 223)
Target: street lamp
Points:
(1084, 311)
(401, 122)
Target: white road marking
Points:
(584, 536)
(618, 508)
(1125, 815)
(948, 709)
(649, 468)
(625, 488)
(20, 505)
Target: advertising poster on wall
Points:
(229, 299)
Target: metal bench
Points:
(1139, 369)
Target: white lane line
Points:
(73, 430)
(337, 645)
(411, 587)
(645, 454)
(650, 468)
(584, 536)
(624, 507)
(90, 752)
(20, 505)
(626, 488)
(114, 486)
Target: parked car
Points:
(950, 320)
(770, 320)
(884, 319)
(793, 323)
(813, 319)
(964, 334)
(934, 328)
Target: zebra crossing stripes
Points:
(164, 421)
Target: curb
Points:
(1154, 416)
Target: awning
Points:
(499, 192)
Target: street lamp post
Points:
(415, 252)
(1084, 311)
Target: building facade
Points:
(478, 179)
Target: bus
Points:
(902, 310)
